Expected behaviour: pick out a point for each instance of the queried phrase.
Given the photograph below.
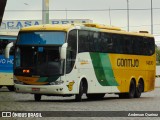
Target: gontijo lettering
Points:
(127, 62)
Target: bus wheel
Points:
(78, 97)
(1, 86)
(139, 89)
(132, 89)
(10, 88)
(95, 96)
(37, 97)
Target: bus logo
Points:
(70, 86)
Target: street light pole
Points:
(110, 16)
(151, 18)
(66, 14)
(45, 11)
(128, 14)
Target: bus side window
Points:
(128, 44)
(83, 41)
(96, 42)
(106, 42)
(117, 43)
(149, 46)
(71, 50)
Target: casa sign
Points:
(15, 25)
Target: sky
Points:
(96, 10)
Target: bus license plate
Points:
(35, 89)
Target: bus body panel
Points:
(125, 68)
(105, 72)
(122, 74)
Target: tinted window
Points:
(71, 50)
(106, 42)
(90, 41)
(83, 41)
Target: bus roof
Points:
(86, 26)
(48, 27)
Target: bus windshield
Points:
(41, 38)
(39, 53)
(38, 60)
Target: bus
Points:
(6, 65)
(91, 59)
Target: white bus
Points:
(89, 59)
(6, 65)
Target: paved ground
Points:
(150, 101)
(10, 101)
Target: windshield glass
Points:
(38, 60)
(41, 38)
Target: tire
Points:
(95, 96)
(132, 89)
(131, 93)
(139, 89)
(37, 97)
(10, 88)
(78, 97)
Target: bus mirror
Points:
(64, 50)
(7, 49)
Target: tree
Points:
(158, 54)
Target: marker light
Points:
(26, 71)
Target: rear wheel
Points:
(131, 93)
(132, 89)
(139, 89)
(78, 97)
(37, 97)
(10, 88)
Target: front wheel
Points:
(78, 97)
(37, 97)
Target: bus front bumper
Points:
(40, 89)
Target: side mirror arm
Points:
(7, 49)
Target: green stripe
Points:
(42, 79)
(48, 79)
(103, 69)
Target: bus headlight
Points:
(57, 82)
